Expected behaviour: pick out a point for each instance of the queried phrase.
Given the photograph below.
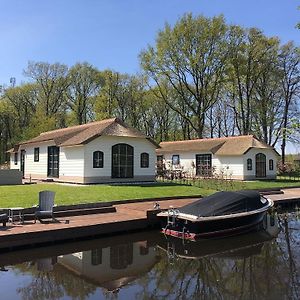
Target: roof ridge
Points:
(211, 139)
(83, 126)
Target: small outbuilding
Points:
(97, 152)
(237, 157)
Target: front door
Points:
(260, 163)
(53, 161)
(122, 161)
(22, 162)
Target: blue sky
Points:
(111, 33)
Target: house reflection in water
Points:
(112, 267)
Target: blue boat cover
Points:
(224, 203)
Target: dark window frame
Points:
(260, 165)
(122, 161)
(36, 154)
(53, 161)
(175, 157)
(98, 162)
(96, 257)
(144, 160)
(204, 164)
(121, 256)
(249, 164)
(16, 158)
(271, 164)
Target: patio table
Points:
(16, 213)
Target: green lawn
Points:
(27, 195)
(233, 185)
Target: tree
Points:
(250, 51)
(52, 82)
(289, 60)
(191, 57)
(24, 100)
(85, 81)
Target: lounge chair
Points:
(45, 207)
(3, 219)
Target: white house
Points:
(97, 152)
(237, 157)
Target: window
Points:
(203, 165)
(249, 164)
(175, 160)
(98, 159)
(121, 256)
(260, 162)
(144, 160)
(122, 161)
(16, 158)
(53, 161)
(160, 164)
(36, 154)
(271, 165)
(96, 257)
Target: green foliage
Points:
(191, 58)
(85, 81)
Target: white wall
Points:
(77, 161)
(71, 161)
(32, 167)
(12, 161)
(229, 165)
(105, 143)
(270, 154)
(187, 159)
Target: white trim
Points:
(194, 218)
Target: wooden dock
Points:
(126, 217)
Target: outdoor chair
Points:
(3, 219)
(45, 208)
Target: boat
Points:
(220, 214)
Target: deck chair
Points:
(45, 207)
(3, 219)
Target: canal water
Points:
(147, 265)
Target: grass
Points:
(233, 185)
(27, 195)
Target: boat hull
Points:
(187, 229)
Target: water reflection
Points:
(112, 267)
(234, 247)
(148, 265)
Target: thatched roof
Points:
(226, 146)
(82, 134)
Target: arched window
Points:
(144, 160)
(249, 164)
(260, 161)
(121, 256)
(98, 159)
(122, 161)
(271, 165)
